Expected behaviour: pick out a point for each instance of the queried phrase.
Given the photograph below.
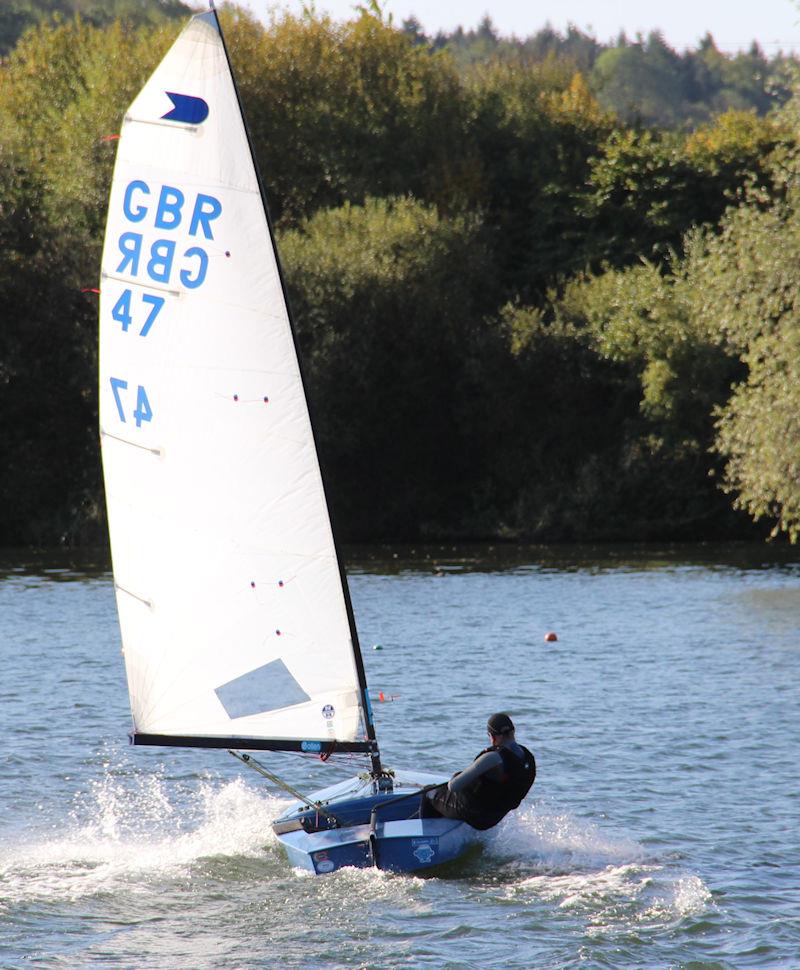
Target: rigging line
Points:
(412, 794)
(257, 766)
(144, 285)
(158, 452)
(177, 125)
(141, 599)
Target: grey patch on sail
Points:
(267, 688)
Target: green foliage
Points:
(759, 434)
(670, 374)
(342, 111)
(430, 223)
(724, 318)
(560, 459)
(738, 149)
(484, 44)
(645, 318)
(647, 82)
(17, 16)
(49, 469)
(745, 81)
(646, 189)
(63, 89)
(746, 278)
(640, 83)
(643, 81)
(388, 303)
(535, 131)
(643, 195)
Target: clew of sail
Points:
(233, 610)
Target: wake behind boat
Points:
(234, 610)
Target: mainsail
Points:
(235, 617)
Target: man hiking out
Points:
(493, 785)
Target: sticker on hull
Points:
(322, 863)
(424, 850)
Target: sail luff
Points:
(354, 639)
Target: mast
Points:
(374, 751)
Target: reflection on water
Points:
(569, 557)
(72, 564)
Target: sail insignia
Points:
(268, 688)
(186, 107)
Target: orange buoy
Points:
(550, 637)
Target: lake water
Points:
(662, 830)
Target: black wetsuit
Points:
(495, 784)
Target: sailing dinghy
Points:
(235, 616)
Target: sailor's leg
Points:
(427, 809)
(445, 802)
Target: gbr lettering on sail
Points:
(167, 210)
(162, 244)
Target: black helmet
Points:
(500, 724)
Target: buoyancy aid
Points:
(494, 798)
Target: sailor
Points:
(493, 785)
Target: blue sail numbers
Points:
(168, 209)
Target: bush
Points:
(389, 302)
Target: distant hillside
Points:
(16, 16)
(644, 81)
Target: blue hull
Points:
(381, 831)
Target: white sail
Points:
(230, 600)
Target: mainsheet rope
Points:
(251, 762)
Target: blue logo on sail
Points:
(186, 108)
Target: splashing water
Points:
(130, 830)
(545, 854)
(555, 841)
(137, 843)
(126, 831)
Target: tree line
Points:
(643, 80)
(521, 315)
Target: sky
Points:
(734, 24)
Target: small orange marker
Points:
(550, 637)
(381, 696)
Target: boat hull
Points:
(364, 829)
(401, 846)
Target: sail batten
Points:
(249, 633)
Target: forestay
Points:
(233, 614)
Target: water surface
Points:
(661, 832)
